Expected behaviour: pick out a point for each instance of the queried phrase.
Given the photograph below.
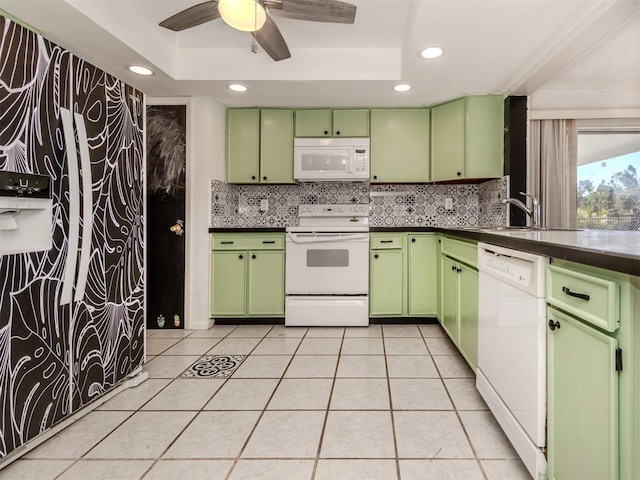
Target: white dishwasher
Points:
(511, 375)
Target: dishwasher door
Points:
(511, 374)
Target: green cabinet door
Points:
(351, 123)
(266, 283)
(276, 146)
(484, 136)
(447, 141)
(386, 282)
(582, 423)
(243, 145)
(422, 269)
(313, 123)
(450, 298)
(228, 273)
(468, 313)
(399, 145)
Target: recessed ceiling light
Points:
(403, 87)
(140, 70)
(236, 87)
(431, 52)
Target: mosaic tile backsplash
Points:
(408, 205)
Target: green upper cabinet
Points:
(351, 123)
(276, 146)
(243, 145)
(259, 145)
(332, 123)
(313, 123)
(467, 138)
(400, 145)
(447, 141)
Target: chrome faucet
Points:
(534, 212)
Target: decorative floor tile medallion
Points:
(214, 366)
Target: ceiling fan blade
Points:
(193, 16)
(329, 11)
(270, 38)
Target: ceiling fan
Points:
(268, 35)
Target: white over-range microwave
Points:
(331, 159)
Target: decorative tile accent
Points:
(213, 366)
(391, 205)
(492, 212)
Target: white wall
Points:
(205, 161)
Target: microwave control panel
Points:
(360, 160)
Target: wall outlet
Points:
(448, 203)
(264, 204)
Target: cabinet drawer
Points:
(382, 242)
(464, 251)
(590, 298)
(247, 242)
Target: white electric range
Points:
(327, 266)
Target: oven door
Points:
(326, 263)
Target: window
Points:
(608, 175)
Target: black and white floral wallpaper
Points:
(409, 205)
(71, 318)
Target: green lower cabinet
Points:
(582, 423)
(386, 282)
(403, 275)
(266, 283)
(228, 283)
(422, 261)
(247, 275)
(449, 318)
(468, 311)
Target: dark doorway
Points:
(166, 193)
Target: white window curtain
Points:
(551, 170)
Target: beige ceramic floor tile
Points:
(78, 438)
(106, 469)
(243, 394)
(34, 469)
(431, 330)
(262, 366)
(190, 470)
(185, 394)
(302, 394)
(506, 470)
(277, 346)
(248, 331)
(325, 332)
(133, 398)
(411, 366)
(441, 346)
(144, 435)
(362, 346)
(464, 394)
(405, 346)
(440, 470)
(214, 435)
(307, 366)
(192, 346)
(280, 331)
(358, 434)
(356, 469)
(156, 346)
(362, 366)
(234, 346)
(453, 366)
(419, 394)
(286, 435)
(423, 435)
(401, 331)
(169, 366)
(273, 470)
(360, 394)
(486, 435)
(319, 346)
(363, 332)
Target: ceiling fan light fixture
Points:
(432, 52)
(244, 15)
(140, 70)
(237, 87)
(402, 87)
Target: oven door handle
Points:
(340, 237)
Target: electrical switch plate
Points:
(264, 204)
(448, 203)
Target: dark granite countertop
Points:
(247, 230)
(610, 249)
(613, 250)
